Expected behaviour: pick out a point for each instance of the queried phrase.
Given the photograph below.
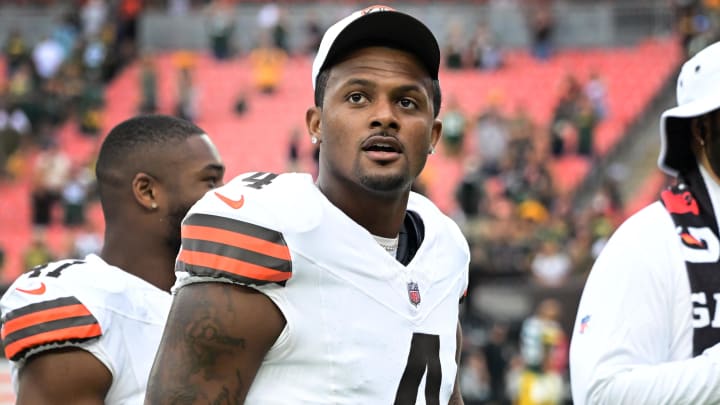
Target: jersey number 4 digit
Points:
(424, 355)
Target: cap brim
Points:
(675, 152)
(394, 29)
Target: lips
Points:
(382, 143)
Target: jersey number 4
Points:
(259, 180)
(424, 356)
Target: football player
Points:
(340, 291)
(86, 330)
(647, 329)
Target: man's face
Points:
(711, 124)
(193, 168)
(376, 125)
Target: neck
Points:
(381, 215)
(146, 258)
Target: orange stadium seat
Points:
(258, 139)
(568, 171)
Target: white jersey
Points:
(88, 304)
(362, 328)
(633, 337)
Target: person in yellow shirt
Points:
(268, 63)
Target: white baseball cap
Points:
(698, 93)
(377, 25)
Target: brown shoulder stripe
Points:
(232, 225)
(253, 254)
(56, 321)
(216, 273)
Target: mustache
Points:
(383, 133)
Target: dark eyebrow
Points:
(359, 82)
(215, 166)
(367, 83)
(409, 87)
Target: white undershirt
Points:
(389, 244)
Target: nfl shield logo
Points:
(414, 293)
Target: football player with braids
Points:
(340, 291)
(648, 325)
(85, 331)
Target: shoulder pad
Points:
(42, 308)
(57, 322)
(224, 247)
(287, 202)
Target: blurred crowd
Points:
(522, 229)
(519, 226)
(697, 23)
(517, 223)
(58, 80)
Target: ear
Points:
(313, 123)
(144, 188)
(700, 128)
(435, 133)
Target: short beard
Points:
(384, 184)
(173, 240)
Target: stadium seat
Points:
(257, 140)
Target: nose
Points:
(384, 115)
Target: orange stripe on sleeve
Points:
(234, 266)
(75, 332)
(43, 316)
(237, 240)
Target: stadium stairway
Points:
(258, 139)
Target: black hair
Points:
(127, 142)
(322, 79)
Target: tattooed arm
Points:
(456, 397)
(214, 342)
